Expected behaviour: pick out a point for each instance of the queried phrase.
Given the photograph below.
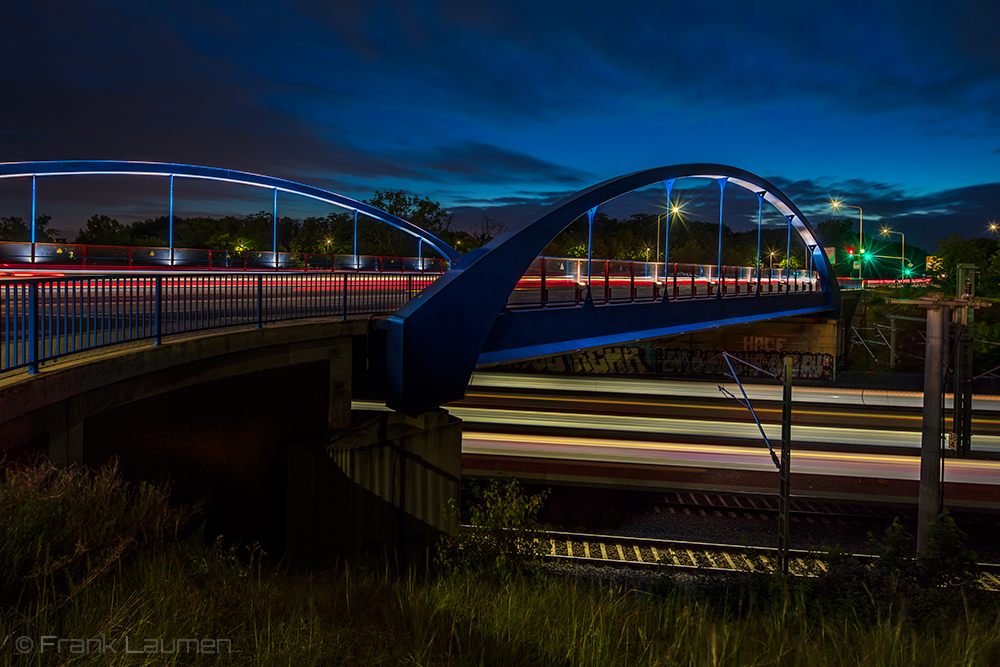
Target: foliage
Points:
(13, 228)
(947, 561)
(984, 253)
(329, 235)
(898, 573)
(501, 539)
(103, 230)
(63, 528)
(355, 615)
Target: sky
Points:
(503, 108)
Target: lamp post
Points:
(658, 233)
(673, 209)
(836, 203)
(902, 249)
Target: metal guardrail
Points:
(565, 281)
(46, 318)
(54, 256)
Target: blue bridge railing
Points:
(47, 318)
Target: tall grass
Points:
(166, 588)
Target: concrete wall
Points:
(815, 345)
(379, 488)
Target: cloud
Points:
(477, 162)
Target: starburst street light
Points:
(674, 210)
(902, 248)
(836, 203)
(993, 227)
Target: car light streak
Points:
(961, 471)
(690, 427)
(692, 389)
(913, 418)
(709, 429)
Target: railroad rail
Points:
(650, 553)
(803, 508)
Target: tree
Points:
(103, 230)
(983, 252)
(151, 232)
(13, 228)
(327, 235)
(383, 239)
(486, 231)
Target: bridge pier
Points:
(378, 489)
(219, 414)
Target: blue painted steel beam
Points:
(525, 334)
(436, 340)
(125, 168)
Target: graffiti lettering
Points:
(805, 365)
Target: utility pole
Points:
(784, 513)
(929, 501)
(963, 319)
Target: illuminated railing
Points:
(46, 318)
(55, 256)
(555, 281)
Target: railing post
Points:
(33, 328)
(631, 285)
(675, 281)
(722, 277)
(607, 281)
(260, 301)
(158, 311)
(409, 287)
(343, 297)
(694, 287)
(543, 291)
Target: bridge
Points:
(501, 302)
(463, 320)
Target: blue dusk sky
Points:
(501, 108)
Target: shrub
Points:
(502, 536)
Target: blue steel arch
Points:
(437, 339)
(128, 168)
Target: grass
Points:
(165, 586)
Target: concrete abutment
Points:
(226, 417)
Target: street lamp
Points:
(836, 203)
(673, 210)
(902, 249)
(993, 227)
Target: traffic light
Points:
(850, 252)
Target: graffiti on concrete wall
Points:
(643, 359)
(805, 365)
(599, 360)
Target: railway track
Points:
(803, 508)
(764, 505)
(647, 553)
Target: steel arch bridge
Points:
(34, 170)
(436, 340)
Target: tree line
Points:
(330, 234)
(690, 242)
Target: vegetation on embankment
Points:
(85, 556)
